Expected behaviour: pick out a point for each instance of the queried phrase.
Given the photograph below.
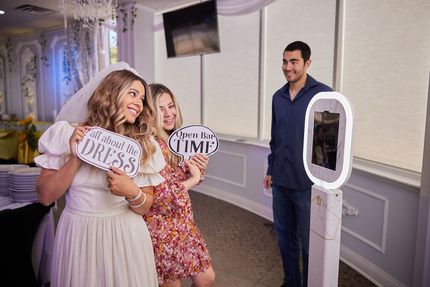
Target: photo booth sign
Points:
(103, 149)
(193, 139)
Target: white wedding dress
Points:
(99, 241)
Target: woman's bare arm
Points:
(52, 184)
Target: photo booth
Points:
(328, 161)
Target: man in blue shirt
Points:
(286, 174)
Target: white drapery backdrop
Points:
(80, 61)
(240, 7)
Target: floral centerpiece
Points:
(28, 133)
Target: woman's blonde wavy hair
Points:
(105, 110)
(157, 90)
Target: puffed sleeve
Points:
(149, 173)
(54, 146)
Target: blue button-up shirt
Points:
(288, 123)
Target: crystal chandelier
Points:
(90, 12)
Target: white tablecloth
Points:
(43, 245)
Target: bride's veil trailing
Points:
(75, 109)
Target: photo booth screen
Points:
(325, 138)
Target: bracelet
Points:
(136, 197)
(140, 204)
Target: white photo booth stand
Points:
(328, 161)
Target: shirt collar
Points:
(310, 82)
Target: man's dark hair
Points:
(302, 46)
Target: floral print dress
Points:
(179, 248)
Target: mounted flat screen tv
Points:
(192, 30)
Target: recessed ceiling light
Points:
(2, 12)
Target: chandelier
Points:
(89, 12)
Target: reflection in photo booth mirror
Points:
(324, 147)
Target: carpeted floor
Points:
(243, 246)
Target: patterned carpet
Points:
(243, 246)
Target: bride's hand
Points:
(120, 184)
(77, 136)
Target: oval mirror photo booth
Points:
(328, 161)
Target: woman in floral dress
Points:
(179, 248)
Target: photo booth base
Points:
(324, 238)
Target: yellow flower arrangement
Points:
(28, 132)
(28, 120)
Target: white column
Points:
(125, 33)
(422, 247)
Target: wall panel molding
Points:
(378, 246)
(369, 270)
(241, 181)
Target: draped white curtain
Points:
(240, 7)
(81, 58)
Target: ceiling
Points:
(17, 22)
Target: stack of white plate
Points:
(22, 184)
(4, 175)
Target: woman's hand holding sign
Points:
(76, 137)
(201, 161)
(120, 184)
(194, 175)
